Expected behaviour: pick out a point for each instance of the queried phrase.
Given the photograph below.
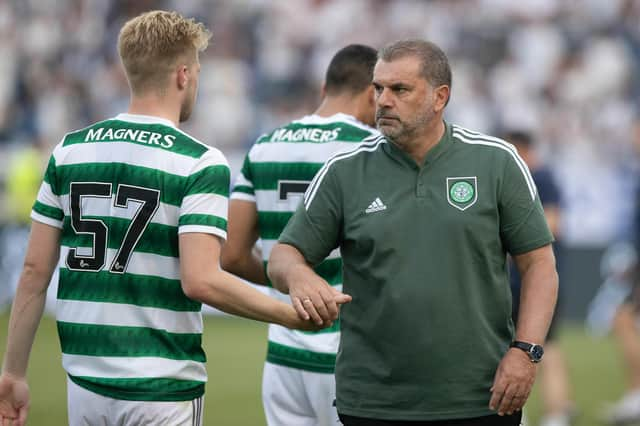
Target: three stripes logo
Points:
(376, 206)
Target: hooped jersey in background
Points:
(121, 191)
(275, 174)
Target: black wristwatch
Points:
(534, 351)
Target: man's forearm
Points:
(26, 313)
(250, 268)
(537, 301)
(40, 261)
(283, 259)
(225, 292)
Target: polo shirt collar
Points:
(399, 155)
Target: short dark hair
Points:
(518, 137)
(434, 63)
(351, 69)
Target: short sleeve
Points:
(523, 226)
(243, 185)
(314, 228)
(206, 198)
(48, 207)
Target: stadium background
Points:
(566, 70)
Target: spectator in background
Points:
(25, 171)
(627, 333)
(554, 380)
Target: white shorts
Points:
(297, 397)
(88, 408)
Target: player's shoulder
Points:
(75, 137)
(142, 130)
(79, 135)
(198, 149)
(344, 127)
(319, 129)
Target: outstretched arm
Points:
(204, 280)
(26, 312)
(311, 296)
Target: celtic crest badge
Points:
(462, 192)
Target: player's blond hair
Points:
(153, 43)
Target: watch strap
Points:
(534, 351)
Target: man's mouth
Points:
(387, 117)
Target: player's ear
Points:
(323, 90)
(182, 76)
(371, 95)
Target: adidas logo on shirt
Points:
(376, 206)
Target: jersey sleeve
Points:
(243, 185)
(314, 228)
(48, 207)
(523, 226)
(205, 202)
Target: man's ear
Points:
(323, 90)
(442, 94)
(371, 94)
(182, 77)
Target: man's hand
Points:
(295, 322)
(14, 400)
(512, 383)
(313, 298)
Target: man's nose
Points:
(385, 98)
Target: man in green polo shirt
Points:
(424, 217)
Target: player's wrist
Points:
(13, 376)
(289, 317)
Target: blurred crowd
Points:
(565, 70)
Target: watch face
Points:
(536, 353)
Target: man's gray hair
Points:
(434, 63)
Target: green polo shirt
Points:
(424, 257)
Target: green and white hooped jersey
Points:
(275, 174)
(121, 191)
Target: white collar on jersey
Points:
(144, 119)
(317, 119)
(340, 116)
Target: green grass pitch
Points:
(236, 348)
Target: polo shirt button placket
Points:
(421, 189)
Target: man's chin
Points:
(387, 130)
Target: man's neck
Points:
(421, 144)
(332, 105)
(155, 106)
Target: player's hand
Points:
(313, 298)
(512, 383)
(295, 322)
(14, 401)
